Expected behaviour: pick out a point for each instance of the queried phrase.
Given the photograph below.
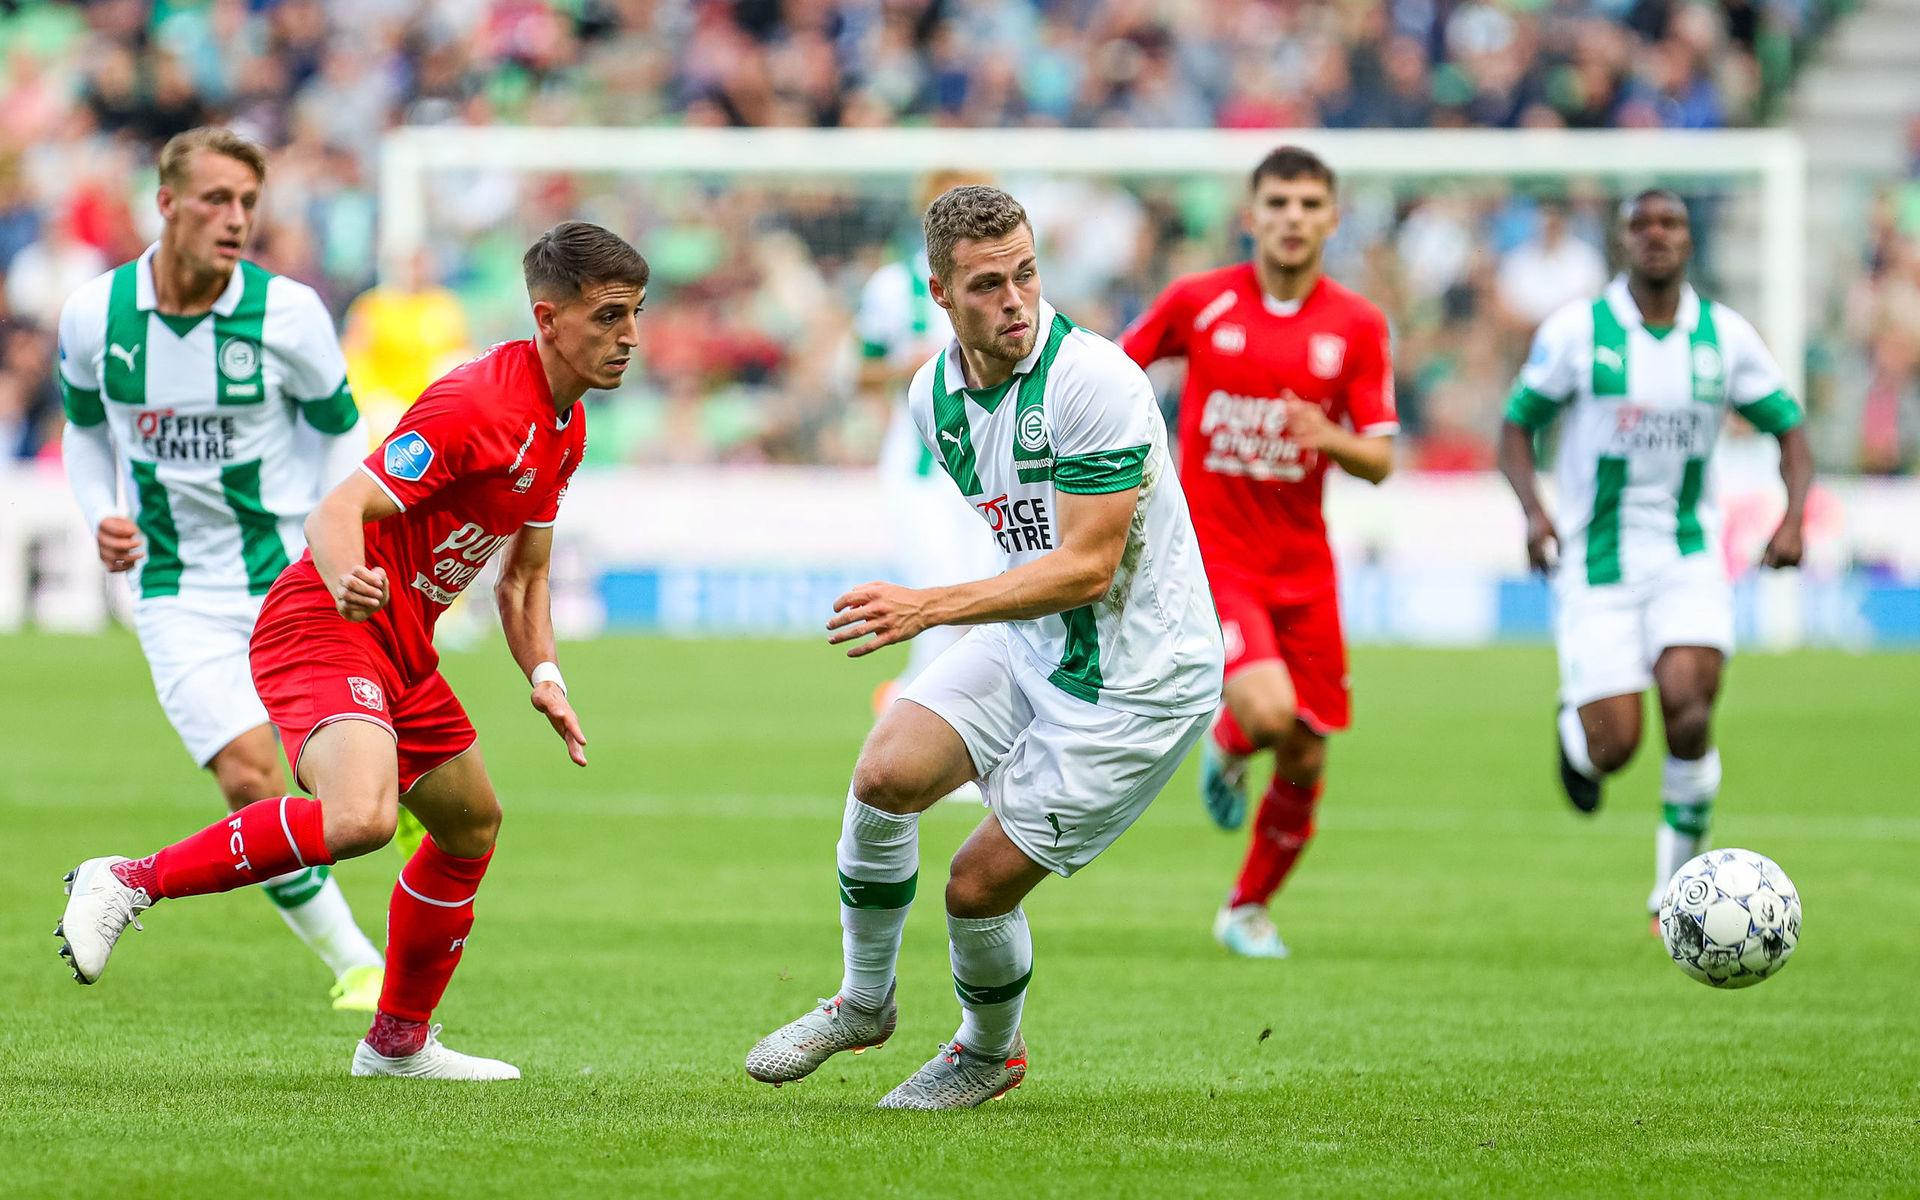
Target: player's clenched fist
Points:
(887, 611)
(119, 542)
(1785, 547)
(360, 593)
(1309, 425)
(1543, 544)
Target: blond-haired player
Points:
(207, 412)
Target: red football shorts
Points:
(1303, 637)
(312, 667)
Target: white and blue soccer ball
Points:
(1730, 918)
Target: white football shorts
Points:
(1610, 636)
(1064, 777)
(196, 648)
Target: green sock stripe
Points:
(1689, 819)
(298, 890)
(978, 996)
(860, 893)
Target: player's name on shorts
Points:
(163, 435)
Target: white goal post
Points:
(1770, 162)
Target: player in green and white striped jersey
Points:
(1092, 664)
(213, 396)
(1644, 376)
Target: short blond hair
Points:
(971, 212)
(177, 154)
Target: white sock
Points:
(1687, 791)
(879, 863)
(1573, 739)
(992, 964)
(312, 905)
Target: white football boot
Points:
(99, 909)
(796, 1049)
(431, 1061)
(958, 1078)
(1248, 932)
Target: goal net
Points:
(761, 240)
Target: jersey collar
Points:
(537, 374)
(956, 368)
(1285, 308)
(1621, 301)
(147, 298)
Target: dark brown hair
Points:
(565, 260)
(1292, 162)
(971, 212)
(215, 139)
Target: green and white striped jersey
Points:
(1644, 409)
(1078, 416)
(220, 422)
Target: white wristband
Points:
(548, 672)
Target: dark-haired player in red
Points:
(1287, 371)
(343, 652)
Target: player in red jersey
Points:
(343, 652)
(1287, 372)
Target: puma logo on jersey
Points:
(124, 354)
(1215, 309)
(945, 436)
(1609, 356)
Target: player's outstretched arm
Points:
(1796, 471)
(1518, 464)
(525, 599)
(1093, 535)
(336, 533)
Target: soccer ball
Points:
(1730, 918)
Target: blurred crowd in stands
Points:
(750, 355)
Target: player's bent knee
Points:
(475, 834)
(1612, 753)
(885, 781)
(356, 829)
(1268, 725)
(971, 899)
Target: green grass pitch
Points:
(1474, 1007)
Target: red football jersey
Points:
(1254, 493)
(479, 455)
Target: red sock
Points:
(264, 839)
(1281, 830)
(1228, 735)
(427, 925)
